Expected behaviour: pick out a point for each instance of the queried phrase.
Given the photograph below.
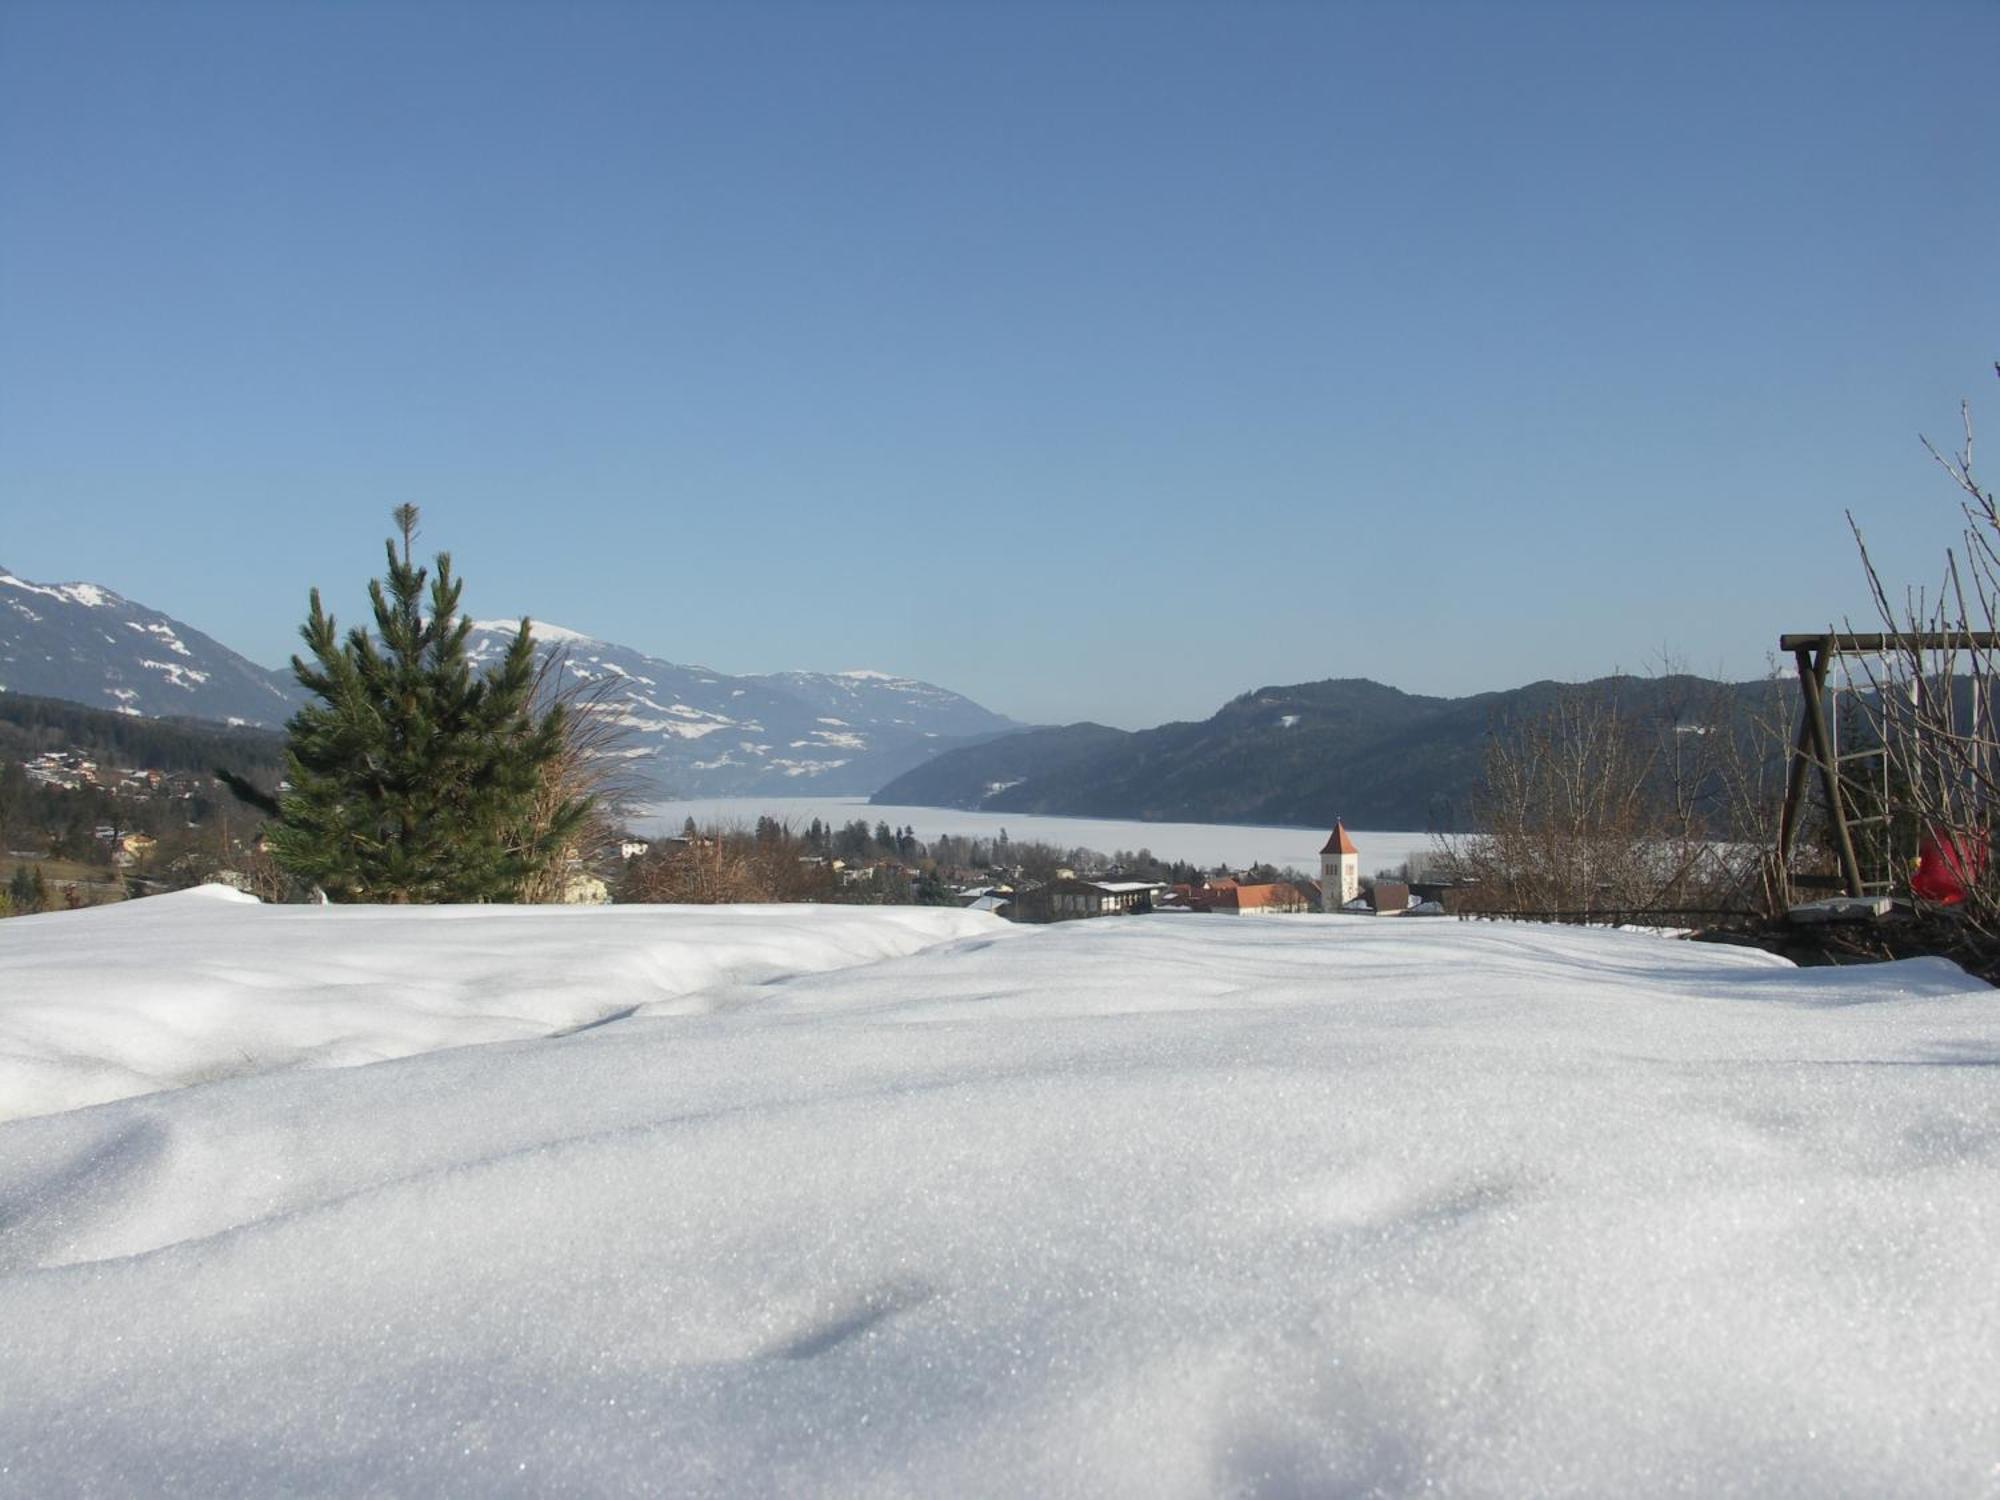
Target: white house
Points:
(1339, 871)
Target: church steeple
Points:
(1339, 870)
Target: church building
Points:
(1339, 871)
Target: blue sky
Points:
(1099, 361)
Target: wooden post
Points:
(1795, 786)
(1812, 674)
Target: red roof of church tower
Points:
(1339, 842)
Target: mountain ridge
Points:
(693, 731)
(1296, 755)
(89, 644)
(1287, 754)
(685, 730)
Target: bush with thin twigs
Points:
(1588, 811)
(730, 865)
(586, 771)
(1930, 699)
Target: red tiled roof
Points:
(1339, 842)
(1278, 893)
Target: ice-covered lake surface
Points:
(876, 1202)
(1205, 844)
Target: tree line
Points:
(194, 827)
(30, 726)
(856, 862)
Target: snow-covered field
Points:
(206, 984)
(1237, 845)
(1148, 1206)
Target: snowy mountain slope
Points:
(1162, 1207)
(690, 731)
(881, 701)
(89, 645)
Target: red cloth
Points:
(1947, 864)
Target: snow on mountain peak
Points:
(89, 644)
(89, 595)
(844, 733)
(543, 630)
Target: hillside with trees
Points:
(1301, 754)
(30, 726)
(77, 784)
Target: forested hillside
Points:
(74, 781)
(1304, 754)
(29, 726)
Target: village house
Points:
(1128, 895)
(62, 769)
(1275, 898)
(1067, 898)
(1390, 898)
(1211, 895)
(1235, 898)
(884, 871)
(1434, 882)
(973, 896)
(133, 848)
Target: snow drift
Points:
(1142, 1207)
(125, 999)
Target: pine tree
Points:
(411, 777)
(27, 891)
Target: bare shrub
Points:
(1737, 779)
(1561, 815)
(729, 865)
(1588, 810)
(1931, 696)
(586, 770)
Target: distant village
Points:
(117, 835)
(80, 831)
(70, 771)
(1341, 887)
(1041, 889)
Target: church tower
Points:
(1339, 871)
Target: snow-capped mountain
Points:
(884, 702)
(689, 731)
(686, 731)
(86, 644)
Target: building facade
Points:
(1339, 870)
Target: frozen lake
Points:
(1206, 844)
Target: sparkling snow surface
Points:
(126, 999)
(1148, 1206)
